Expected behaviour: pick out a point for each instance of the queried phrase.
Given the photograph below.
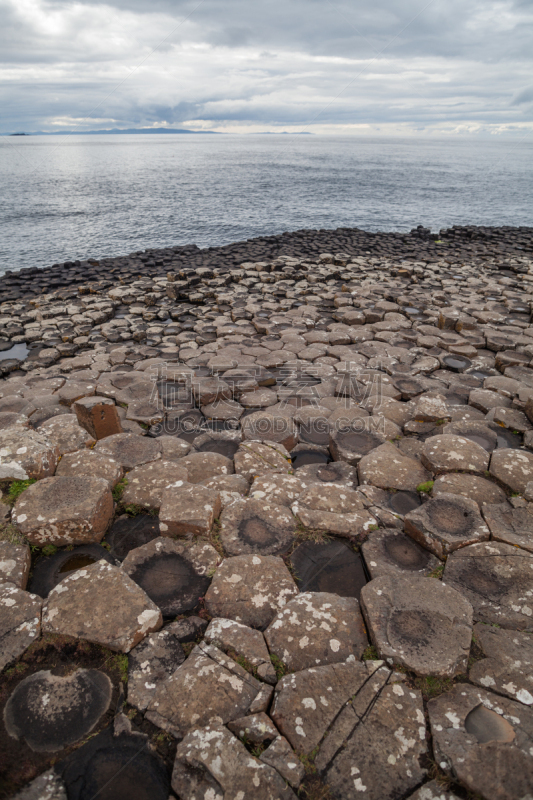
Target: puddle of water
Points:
(77, 562)
(304, 457)
(18, 351)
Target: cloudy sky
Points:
(323, 66)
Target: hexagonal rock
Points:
(497, 580)
(253, 526)
(257, 728)
(50, 712)
(102, 604)
(67, 433)
(152, 661)
(270, 427)
(129, 449)
(351, 526)
(15, 562)
(26, 454)
(484, 399)
(430, 409)
(209, 688)
(64, 511)
(145, 411)
(207, 390)
(388, 552)
(202, 466)
(446, 523)
(419, 623)
(510, 525)
(20, 622)
(336, 499)
(188, 509)
(174, 574)
(508, 663)
(336, 473)
(449, 453)
(98, 415)
(317, 628)
(230, 487)
(387, 468)
(48, 786)
(432, 791)
(228, 635)
(250, 589)
(513, 468)
(88, 463)
(282, 490)
(197, 769)
(282, 757)
(173, 448)
(472, 486)
(484, 741)
(145, 484)
(261, 458)
(352, 444)
(377, 744)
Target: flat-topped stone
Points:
(387, 468)
(446, 523)
(20, 622)
(129, 450)
(26, 454)
(255, 526)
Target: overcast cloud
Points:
(444, 66)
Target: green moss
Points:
(279, 666)
(431, 686)
(16, 489)
(437, 572)
(425, 487)
(9, 533)
(118, 491)
(49, 550)
(370, 654)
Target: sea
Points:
(72, 197)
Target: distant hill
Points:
(112, 130)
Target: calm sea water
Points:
(103, 195)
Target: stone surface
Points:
(474, 487)
(331, 566)
(387, 468)
(496, 579)
(202, 466)
(282, 757)
(26, 454)
(446, 523)
(231, 636)
(15, 562)
(281, 490)
(50, 712)
(188, 509)
(419, 623)
(255, 526)
(63, 511)
(20, 622)
(317, 628)
(98, 415)
(449, 453)
(209, 688)
(485, 740)
(336, 473)
(507, 666)
(151, 662)
(388, 552)
(212, 762)
(513, 468)
(432, 791)
(88, 463)
(102, 604)
(510, 525)
(255, 728)
(145, 484)
(66, 433)
(129, 450)
(48, 786)
(250, 589)
(174, 574)
(261, 458)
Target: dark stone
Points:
(127, 533)
(50, 570)
(331, 567)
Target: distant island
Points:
(109, 131)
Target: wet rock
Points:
(253, 459)
(145, 484)
(510, 525)
(188, 629)
(98, 415)
(328, 567)
(484, 741)
(351, 444)
(64, 511)
(15, 562)
(449, 453)
(228, 635)
(208, 688)
(127, 533)
(282, 757)
(388, 552)
(152, 661)
(419, 623)
(129, 450)
(115, 767)
(317, 628)
(496, 579)
(387, 468)
(446, 523)
(20, 622)
(507, 666)
(336, 473)
(513, 468)
(250, 589)
(197, 769)
(88, 463)
(26, 454)
(175, 575)
(203, 466)
(473, 487)
(50, 570)
(254, 526)
(102, 604)
(50, 712)
(188, 509)
(48, 786)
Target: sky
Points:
(408, 67)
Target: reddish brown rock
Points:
(188, 509)
(98, 415)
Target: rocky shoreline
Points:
(267, 520)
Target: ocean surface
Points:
(75, 197)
